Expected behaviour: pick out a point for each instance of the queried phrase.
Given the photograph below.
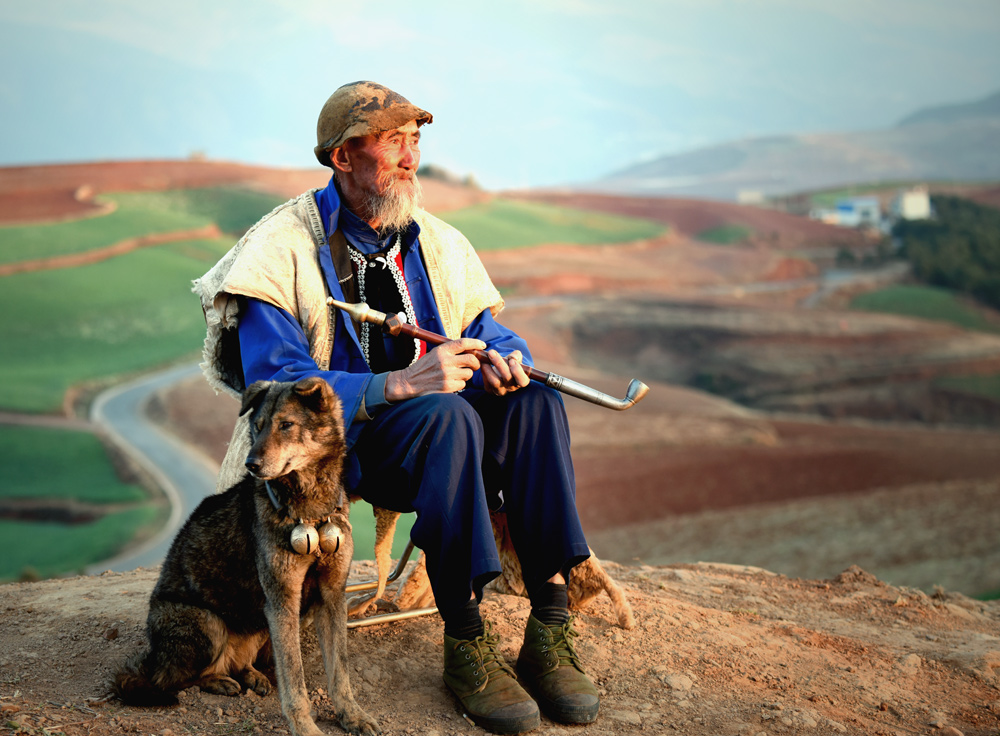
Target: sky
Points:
(524, 93)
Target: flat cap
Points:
(361, 108)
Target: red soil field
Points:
(66, 191)
(693, 216)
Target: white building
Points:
(859, 212)
(911, 204)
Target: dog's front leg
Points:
(282, 609)
(330, 620)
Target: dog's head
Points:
(294, 427)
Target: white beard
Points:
(394, 208)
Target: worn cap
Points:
(361, 108)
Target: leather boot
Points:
(550, 667)
(486, 686)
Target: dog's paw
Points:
(356, 721)
(221, 686)
(361, 605)
(257, 681)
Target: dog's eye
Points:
(285, 425)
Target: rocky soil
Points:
(718, 650)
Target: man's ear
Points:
(340, 158)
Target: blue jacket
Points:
(274, 347)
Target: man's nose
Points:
(410, 158)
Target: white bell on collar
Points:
(305, 539)
(330, 537)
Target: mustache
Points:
(385, 180)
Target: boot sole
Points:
(580, 714)
(501, 725)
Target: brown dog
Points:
(252, 561)
(589, 579)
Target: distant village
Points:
(875, 213)
(867, 213)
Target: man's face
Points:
(378, 175)
(387, 160)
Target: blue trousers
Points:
(453, 457)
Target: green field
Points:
(725, 234)
(363, 533)
(137, 213)
(60, 464)
(126, 314)
(136, 312)
(504, 224)
(925, 302)
(44, 549)
(77, 469)
(933, 303)
(987, 386)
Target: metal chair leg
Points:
(384, 618)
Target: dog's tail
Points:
(132, 684)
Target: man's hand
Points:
(503, 375)
(443, 370)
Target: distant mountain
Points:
(954, 142)
(988, 107)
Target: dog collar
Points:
(274, 499)
(305, 539)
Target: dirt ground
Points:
(683, 492)
(718, 650)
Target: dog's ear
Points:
(315, 394)
(254, 395)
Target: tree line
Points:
(958, 249)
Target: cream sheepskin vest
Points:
(277, 261)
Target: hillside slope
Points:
(718, 650)
(68, 191)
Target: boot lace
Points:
(559, 641)
(484, 649)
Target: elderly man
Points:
(431, 431)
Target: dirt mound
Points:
(66, 191)
(718, 649)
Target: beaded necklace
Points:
(386, 260)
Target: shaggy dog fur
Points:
(232, 587)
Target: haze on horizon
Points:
(523, 94)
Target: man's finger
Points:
(465, 345)
(500, 366)
(492, 381)
(467, 360)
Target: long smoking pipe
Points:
(391, 324)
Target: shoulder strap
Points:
(342, 266)
(338, 251)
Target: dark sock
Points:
(550, 604)
(463, 623)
